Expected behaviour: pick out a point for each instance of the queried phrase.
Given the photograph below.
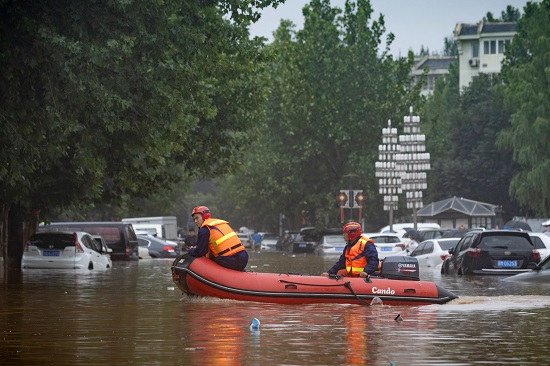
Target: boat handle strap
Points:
(311, 284)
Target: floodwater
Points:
(134, 314)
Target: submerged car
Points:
(541, 241)
(432, 253)
(387, 244)
(540, 274)
(499, 252)
(65, 250)
(246, 239)
(269, 241)
(158, 248)
(330, 244)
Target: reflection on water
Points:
(134, 314)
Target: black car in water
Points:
(158, 248)
(502, 252)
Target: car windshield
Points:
(504, 242)
(270, 237)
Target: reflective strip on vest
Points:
(225, 237)
(214, 222)
(355, 269)
(353, 263)
(219, 242)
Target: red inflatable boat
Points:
(203, 277)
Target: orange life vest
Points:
(223, 240)
(355, 261)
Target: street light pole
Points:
(389, 181)
(413, 161)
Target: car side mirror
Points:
(451, 251)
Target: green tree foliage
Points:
(450, 48)
(102, 100)
(511, 14)
(526, 76)
(333, 88)
(438, 113)
(478, 169)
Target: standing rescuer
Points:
(217, 240)
(359, 258)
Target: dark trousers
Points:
(237, 261)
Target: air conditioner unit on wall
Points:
(474, 62)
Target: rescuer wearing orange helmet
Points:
(359, 258)
(217, 239)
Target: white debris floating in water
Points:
(376, 301)
(255, 324)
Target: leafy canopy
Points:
(333, 88)
(526, 74)
(107, 99)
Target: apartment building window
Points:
(475, 50)
(431, 82)
(490, 47)
(501, 47)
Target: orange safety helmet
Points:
(353, 229)
(203, 210)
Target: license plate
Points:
(386, 249)
(50, 253)
(302, 245)
(508, 264)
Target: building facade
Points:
(481, 48)
(435, 67)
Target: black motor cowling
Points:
(400, 268)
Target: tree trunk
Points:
(4, 210)
(16, 228)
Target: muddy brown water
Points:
(133, 314)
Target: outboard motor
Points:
(400, 268)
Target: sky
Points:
(415, 23)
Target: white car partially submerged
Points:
(330, 244)
(269, 241)
(387, 244)
(65, 250)
(431, 253)
(541, 241)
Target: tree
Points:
(333, 88)
(477, 169)
(107, 100)
(526, 93)
(511, 14)
(450, 47)
(439, 112)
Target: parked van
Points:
(162, 227)
(119, 236)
